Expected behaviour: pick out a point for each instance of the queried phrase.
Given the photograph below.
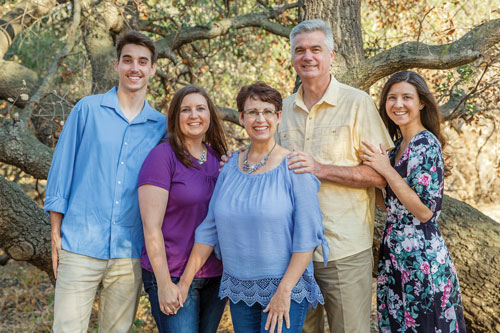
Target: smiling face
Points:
(260, 128)
(310, 56)
(194, 117)
(134, 68)
(403, 105)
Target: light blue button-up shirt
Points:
(93, 176)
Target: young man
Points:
(324, 123)
(97, 232)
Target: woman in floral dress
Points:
(417, 287)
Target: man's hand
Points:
(56, 246)
(225, 158)
(302, 162)
(55, 239)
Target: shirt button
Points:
(308, 139)
(117, 202)
(122, 162)
(126, 143)
(310, 118)
(119, 182)
(114, 222)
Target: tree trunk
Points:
(473, 240)
(99, 18)
(344, 17)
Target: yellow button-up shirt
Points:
(332, 132)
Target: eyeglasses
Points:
(268, 114)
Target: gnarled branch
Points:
(229, 114)
(418, 55)
(24, 227)
(175, 40)
(19, 147)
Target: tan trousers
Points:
(78, 278)
(346, 285)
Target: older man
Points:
(324, 123)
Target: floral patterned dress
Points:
(417, 286)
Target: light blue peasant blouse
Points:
(255, 222)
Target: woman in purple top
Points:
(175, 186)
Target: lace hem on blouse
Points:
(262, 290)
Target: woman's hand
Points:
(169, 298)
(375, 158)
(278, 307)
(184, 288)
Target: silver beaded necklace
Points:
(203, 157)
(250, 168)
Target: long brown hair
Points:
(429, 115)
(215, 135)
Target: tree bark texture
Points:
(99, 18)
(344, 17)
(24, 227)
(473, 240)
(19, 147)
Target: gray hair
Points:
(310, 26)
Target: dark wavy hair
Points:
(215, 136)
(429, 115)
(135, 37)
(263, 92)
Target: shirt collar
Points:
(110, 99)
(329, 97)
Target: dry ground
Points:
(26, 303)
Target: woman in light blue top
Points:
(264, 222)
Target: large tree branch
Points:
(418, 55)
(175, 40)
(24, 227)
(16, 80)
(19, 147)
(229, 114)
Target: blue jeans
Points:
(201, 312)
(251, 319)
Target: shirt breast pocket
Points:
(292, 138)
(334, 142)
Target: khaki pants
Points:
(346, 285)
(78, 278)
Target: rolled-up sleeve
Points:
(61, 170)
(308, 231)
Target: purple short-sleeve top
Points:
(190, 190)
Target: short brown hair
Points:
(215, 135)
(135, 37)
(261, 91)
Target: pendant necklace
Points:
(203, 157)
(255, 166)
